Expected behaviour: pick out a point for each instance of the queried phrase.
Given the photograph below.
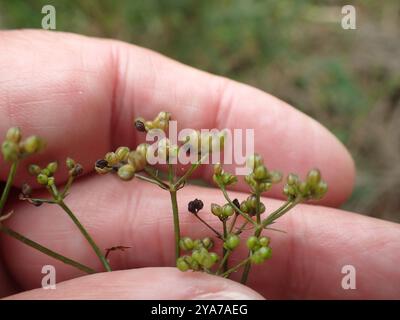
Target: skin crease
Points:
(81, 96)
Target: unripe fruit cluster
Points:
(200, 257)
(222, 212)
(250, 205)
(260, 250)
(161, 121)
(124, 161)
(14, 148)
(260, 179)
(223, 178)
(312, 188)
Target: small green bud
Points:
(34, 169)
(252, 242)
(10, 151)
(264, 241)
(232, 242)
(243, 207)
(208, 261)
(122, 153)
(46, 172)
(265, 252)
(14, 135)
(257, 258)
(214, 257)
(303, 188)
(42, 179)
(186, 244)
(227, 210)
(262, 207)
(32, 144)
(52, 167)
(322, 189)
(276, 176)
(50, 181)
(182, 265)
(228, 179)
(70, 163)
(313, 177)
(126, 172)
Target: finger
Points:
(82, 95)
(7, 285)
(146, 283)
(307, 261)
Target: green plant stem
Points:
(45, 250)
(233, 223)
(258, 213)
(224, 250)
(156, 178)
(244, 215)
(189, 172)
(219, 235)
(233, 269)
(175, 213)
(7, 188)
(67, 186)
(241, 228)
(223, 262)
(81, 228)
(156, 182)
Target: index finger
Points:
(81, 95)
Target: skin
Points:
(81, 95)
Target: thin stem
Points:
(81, 228)
(258, 213)
(233, 223)
(246, 270)
(45, 250)
(155, 177)
(147, 179)
(224, 250)
(177, 231)
(67, 186)
(219, 235)
(223, 262)
(7, 188)
(233, 269)
(244, 215)
(241, 229)
(189, 172)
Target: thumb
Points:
(145, 283)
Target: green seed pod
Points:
(252, 242)
(50, 181)
(14, 135)
(214, 257)
(260, 172)
(186, 244)
(304, 188)
(46, 172)
(52, 167)
(322, 189)
(195, 266)
(104, 170)
(227, 210)
(228, 179)
(254, 161)
(216, 210)
(292, 179)
(313, 177)
(264, 241)
(207, 243)
(122, 153)
(137, 160)
(32, 144)
(262, 207)
(208, 261)
(257, 258)
(111, 158)
(197, 244)
(232, 242)
(10, 151)
(252, 202)
(265, 252)
(126, 172)
(70, 163)
(34, 169)
(182, 265)
(42, 179)
(198, 256)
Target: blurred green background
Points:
(347, 79)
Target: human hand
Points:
(81, 95)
